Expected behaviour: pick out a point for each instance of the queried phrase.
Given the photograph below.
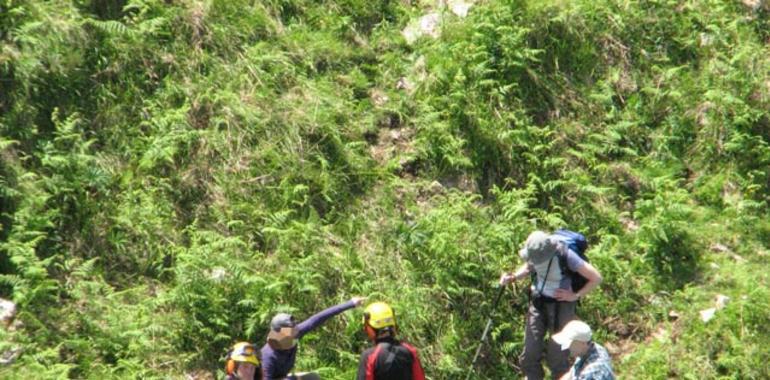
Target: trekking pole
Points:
(486, 330)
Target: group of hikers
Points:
(390, 358)
(561, 275)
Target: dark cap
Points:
(282, 320)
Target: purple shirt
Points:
(276, 364)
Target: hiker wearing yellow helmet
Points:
(389, 359)
(243, 363)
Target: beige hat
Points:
(573, 330)
(539, 248)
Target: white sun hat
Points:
(573, 330)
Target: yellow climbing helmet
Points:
(379, 315)
(242, 352)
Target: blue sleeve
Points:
(266, 361)
(574, 262)
(311, 323)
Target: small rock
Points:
(8, 357)
(753, 4)
(462, 182)
(720, 248)
(630, 224)
(661, 335)
(167, 58)
(217, 274)
(714, 266)
(7, 311)
(379, 98)
(16, 325)
(405, 84)
(436, 187)
(673, 315)
(705, 40)
(721, 301)
(731, 193)
(706, 315)
(459, 7)
(427, 25)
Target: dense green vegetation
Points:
(175, 172)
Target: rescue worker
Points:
(389, 359)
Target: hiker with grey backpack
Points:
(561, 275)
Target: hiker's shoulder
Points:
(597, 370)
(572, 258)
(599, 350)
(367, 352)
(267, 353)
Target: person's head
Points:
(575, 336)
(282, 332)
(539, 248)
(379, 321)
(242, 362)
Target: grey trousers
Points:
(546, 317)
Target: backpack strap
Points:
(565, 271)
(371, 361)
(547, 271)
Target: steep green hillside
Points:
(175, 172)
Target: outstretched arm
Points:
(318, 319)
